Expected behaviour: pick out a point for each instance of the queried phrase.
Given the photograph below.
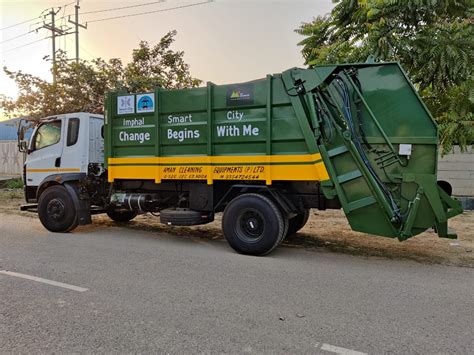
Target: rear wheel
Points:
(56, 210)
(121, 215)
(297, 222)
(253, 224)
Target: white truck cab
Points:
(62, 147)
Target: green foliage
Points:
(80, 87)
(14, 184)
(454, 112)
(158, 66)
(432, 39)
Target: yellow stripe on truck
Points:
(229, 159)
(301, 167)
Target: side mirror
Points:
(23, 126)
(23, 146)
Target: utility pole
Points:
(54, 32)
(77, 24)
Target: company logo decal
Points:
(125, 104)
(145, 103)
(239, 95)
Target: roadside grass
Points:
(15, 184)
(12, 184)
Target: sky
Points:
(224, 41)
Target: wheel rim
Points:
(56, 209)
(250, 225)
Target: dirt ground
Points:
(325, 230)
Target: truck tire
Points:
(253, 224)
(121, 215)
(184, 217)
(56, 210)
(297, 222)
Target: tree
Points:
(432, 39)
(82, 86)
(158, 66)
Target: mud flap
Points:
(81, 202)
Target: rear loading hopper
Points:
(379, 144)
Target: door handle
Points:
(57, 163)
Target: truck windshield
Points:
(47, 134)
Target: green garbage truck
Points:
(264, 152)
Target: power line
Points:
(19, 36)
(116, 8)
(151, 12)
(30, 31)
(19, 23)
(31, 19)
(27, 44)
(36, 23)
(123, 7)
(98, 20)
(70, 3)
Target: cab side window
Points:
(48, 134)
(72, 131)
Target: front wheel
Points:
(253, 224)
(56, 210)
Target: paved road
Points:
(158, 293)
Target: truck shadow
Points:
(426, 248)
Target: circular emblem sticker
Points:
(145, 103)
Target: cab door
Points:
(75, 149)
(44, 154)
